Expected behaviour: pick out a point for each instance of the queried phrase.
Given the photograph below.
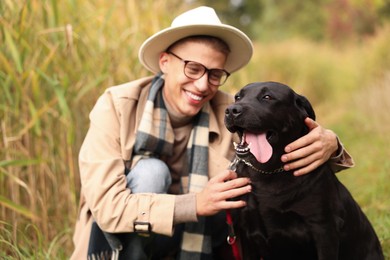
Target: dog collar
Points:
(233, 166)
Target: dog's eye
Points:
(267, 97)
(237, 97)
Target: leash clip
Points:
(231, 238)
(233, 164)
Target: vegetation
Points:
(57, 57)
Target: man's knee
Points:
(149, 175)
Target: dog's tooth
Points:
(243, 138)
(235, 145)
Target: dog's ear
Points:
(304, 105)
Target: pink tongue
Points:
(260, 147)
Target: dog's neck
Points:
(238, 159)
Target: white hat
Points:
(199, 21)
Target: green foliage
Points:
(332, 20)
(28, 242)
(56, 58)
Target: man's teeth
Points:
(193, 96)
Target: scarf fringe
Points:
(106, 255)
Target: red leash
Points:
(231, 239)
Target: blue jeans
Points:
(149, 175)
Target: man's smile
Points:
(193, 96)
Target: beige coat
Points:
(109, 142)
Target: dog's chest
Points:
(280, 202)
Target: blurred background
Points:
(57, 57)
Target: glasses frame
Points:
(205, 70)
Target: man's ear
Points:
(304, 106)
(163, 62)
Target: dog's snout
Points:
(233, 110)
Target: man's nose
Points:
(202, 84)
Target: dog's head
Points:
(267, 116)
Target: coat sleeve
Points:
(113, 206)
(343, 160)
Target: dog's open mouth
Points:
(255, 143)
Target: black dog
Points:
(308, 217)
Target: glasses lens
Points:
(217, 77)
(194, 70)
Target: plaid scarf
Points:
(155, 138)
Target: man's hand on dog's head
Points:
(310, 151)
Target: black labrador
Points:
(308, 217)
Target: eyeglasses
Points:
(195, 70)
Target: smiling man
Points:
(153, 165)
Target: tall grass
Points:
(57, 57)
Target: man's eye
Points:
(193, 69)
(215, 76)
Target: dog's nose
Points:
(233, 110)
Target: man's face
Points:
(184, 95)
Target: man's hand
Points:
(311, 150)
(214, 197)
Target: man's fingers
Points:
(300, 143)
(225, 176)
(236, 183)
(298, 154)
(227, 181)
(305, 140)
(232, 204)
(307, 169)
(310, 123)
(235, 192)
(303, 162)
(310, 151)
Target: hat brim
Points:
(240, 45)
